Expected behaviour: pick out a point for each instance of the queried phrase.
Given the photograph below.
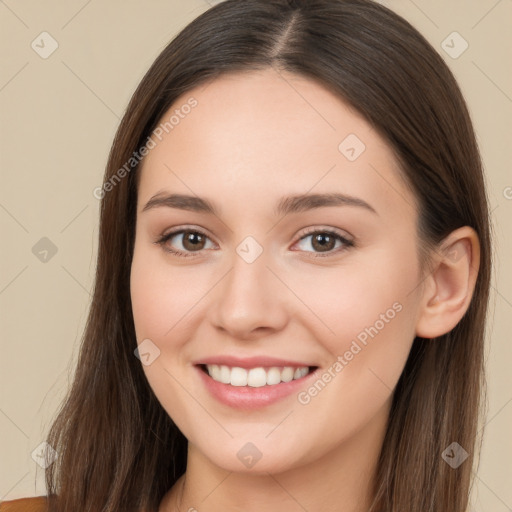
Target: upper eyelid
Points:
(340, 232)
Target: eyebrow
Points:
(286, 205)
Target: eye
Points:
(192, 240)
(324, 241)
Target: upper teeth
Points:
(255, 377)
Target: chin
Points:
(258, 458)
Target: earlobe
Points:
(450, 285)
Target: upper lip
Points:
(250, 362)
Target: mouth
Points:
(255, 377)
(244, 385)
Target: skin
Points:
(253, 138)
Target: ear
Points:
(448, 289)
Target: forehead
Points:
(266, 133)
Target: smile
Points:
(253, 384)
(255, 377)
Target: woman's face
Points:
(299, 253)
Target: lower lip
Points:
(247, 397)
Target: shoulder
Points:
(38, 504)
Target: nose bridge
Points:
(249, 297)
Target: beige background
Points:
(58, 118)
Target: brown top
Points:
(25, 505)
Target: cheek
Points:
(162, 304)
(355, 300)
(365, 319)
(161, 295)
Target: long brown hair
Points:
(118, 448)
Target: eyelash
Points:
(165, 238)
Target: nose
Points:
(250, 301)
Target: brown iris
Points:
(323, 242)
(193, 241)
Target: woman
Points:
(292, 279)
